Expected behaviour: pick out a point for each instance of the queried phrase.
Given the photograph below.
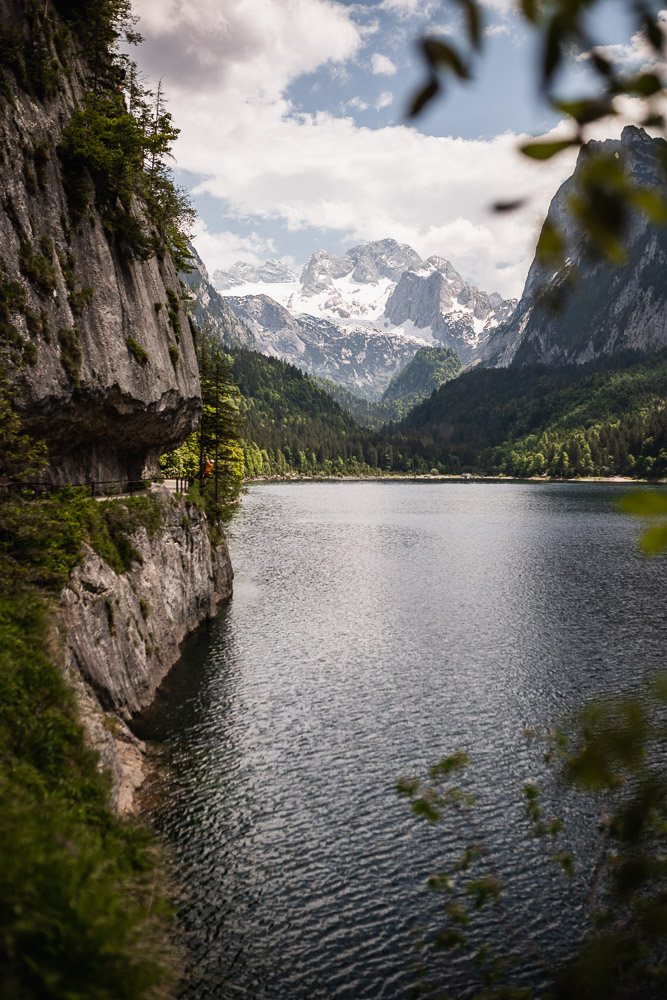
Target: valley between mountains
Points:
(426, 372)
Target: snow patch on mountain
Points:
(361, 358)
(241, 273)
(378, 289)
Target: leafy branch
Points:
(607, 197)
(610, 753)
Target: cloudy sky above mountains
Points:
(294, 134)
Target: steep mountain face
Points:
(382, 289)
(358, 357)
(211, 311)
(606, 308)
(96, 345)
(435, 302)
(99, 347)
(353, 288)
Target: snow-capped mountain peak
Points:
(381, 288)
(241, 273)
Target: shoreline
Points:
(296, 478)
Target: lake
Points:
(375, 627)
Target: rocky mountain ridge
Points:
(242, 273)
(373, 306)
(358, 357)
(436, 302)
(606, 308)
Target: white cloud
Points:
(440, 28)
(385, 99)
(500, 6)
(325, 172)
(492, 30)
(267, 163)
(409, 8)
(358, 104)
(637, 53)
(253, 49)
(382, 65)
(221, 250)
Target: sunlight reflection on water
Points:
(373, 628)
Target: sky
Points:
(295, 137)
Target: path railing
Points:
(101, 487)
(114, 487)
(183, 484)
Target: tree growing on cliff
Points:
(220, 426)
(116, 147)
(218, 433)
(21, 457)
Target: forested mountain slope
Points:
(293, 422)
(605, 418)
(430, 368)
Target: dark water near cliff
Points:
(375, 627)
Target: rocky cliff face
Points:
(358, 357)
(124, 630)
(211, 311)
(100, 347)
(443, 308)
(606, 308)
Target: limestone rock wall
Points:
(606, 308)
(123, 631)
(70, 305)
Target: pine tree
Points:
(220, 426)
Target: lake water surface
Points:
(375, 627)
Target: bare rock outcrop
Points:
(124, 630)
(606, 308)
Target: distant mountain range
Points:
(360, 358)
(357, 319)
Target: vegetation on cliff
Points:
(79, 915)
(116, 145)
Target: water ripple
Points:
(375, 627)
